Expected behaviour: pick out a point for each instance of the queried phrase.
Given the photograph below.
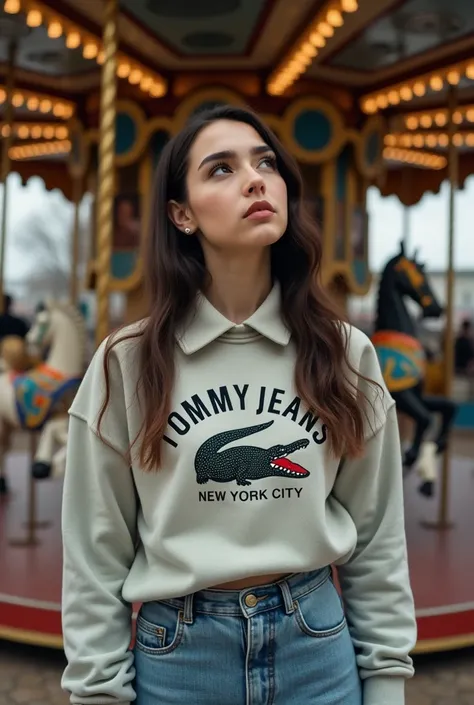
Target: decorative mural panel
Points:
(423, 24)
(204, 27)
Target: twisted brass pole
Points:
(7, 140)
(105, 192)
(443, 514)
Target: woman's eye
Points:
(220, 169)
(269, 162)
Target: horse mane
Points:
(385, 282)
(72, 312)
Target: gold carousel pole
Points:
(443, 521)
(5, 166)
(105, 192)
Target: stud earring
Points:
(187, 231)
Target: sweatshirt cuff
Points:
(384, 690)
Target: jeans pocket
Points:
(320, 613)
(161, 631)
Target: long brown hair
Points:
(175, 272)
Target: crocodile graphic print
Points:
(242, 464)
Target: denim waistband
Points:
(250, 601)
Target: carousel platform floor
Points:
(441, 565)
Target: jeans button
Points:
(251, 601)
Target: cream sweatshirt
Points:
(241, 450)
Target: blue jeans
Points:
(286, 643)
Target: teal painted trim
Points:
(126, 134)
(342, 168)
(360, 270)
(123, 264)
(312, 130)
(465, 417)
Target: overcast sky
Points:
(428, 224)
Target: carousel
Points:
(362, 93)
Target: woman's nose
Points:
(255, 185)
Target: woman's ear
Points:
(181, 217)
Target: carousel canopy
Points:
(396, 58)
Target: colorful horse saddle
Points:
(37, 392)
(402, 359)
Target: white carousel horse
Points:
(29, 400)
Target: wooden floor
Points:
(441, 561)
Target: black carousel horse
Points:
(402, 357)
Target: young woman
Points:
(228, 450)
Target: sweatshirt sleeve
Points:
(99, 535)
(374, 581)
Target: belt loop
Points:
(287, 598)
(188, 609)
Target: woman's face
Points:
(236, 196)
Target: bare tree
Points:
(44, 240)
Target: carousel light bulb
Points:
(453, 77)
(32, 103)
(370, 106)
(390, 140)
(302, 59)
(146, 83)
(123, 69)
(325, 29)
(101, 57)
(158, 90)
(6, 130)
(335, 18)
(136, 76)
(309, 50)
(45, 106)
(23, 132)
(36, 132)
(470, 71)
(58, 110)
(470, 115)
(68, 112)
(443, 140)
(431, 141)
(34, 18)
(17, 100)
(48, 132)
(382, 101)
(412, 122)
(393, 98)
(317, 40)
(426, 121)
(55, 29)
(441, 119)
(90, 50)
(418, 141)
(12, 7)
(458, 140)
(406, 93)
(470, 139)
(349, 5)
(73, 40)
(419, 89)
(61, 133)
(436, 83)
(3, 95)
(458, 117)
